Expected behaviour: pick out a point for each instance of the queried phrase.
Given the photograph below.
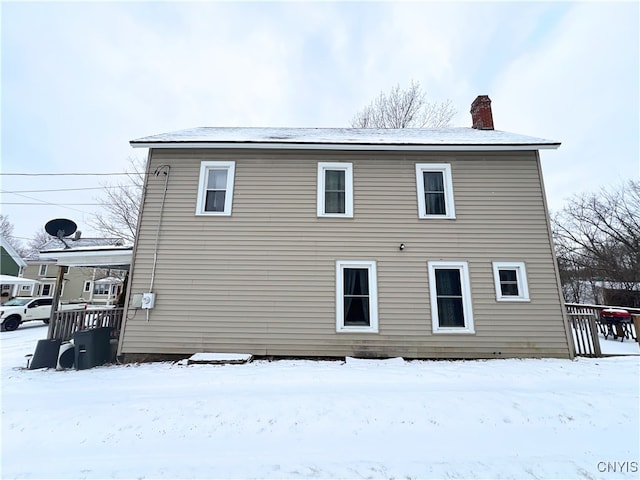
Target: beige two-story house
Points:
(345, 242)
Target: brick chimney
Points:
(481, 113)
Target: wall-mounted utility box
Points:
(136, 300)
(148, 300)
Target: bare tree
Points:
(6, 231)
(40, 239)
(121, 205)
(597, 236)
(402, 108)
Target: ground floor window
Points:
(46, 290)
(450, 297)
(356, 296)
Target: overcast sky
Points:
(81, 79)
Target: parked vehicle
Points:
(18, 310)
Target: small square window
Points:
(450, 297)
(335, 189)
(215, 191)
(435, 190)
(510, 281)
(356, 296)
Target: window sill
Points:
(455, 331)
(213, 214)
(357, 330)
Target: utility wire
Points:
(42, 202)
(46, 203)
(67, 189)
(68, 174)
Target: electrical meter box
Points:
(148, 300)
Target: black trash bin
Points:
(46, 354)
(92, 347)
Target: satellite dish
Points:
(60, 228)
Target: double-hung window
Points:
(435, 190)
(215, 193)
(450, 297)
(335, 189)
(356, 296)
(511, 282)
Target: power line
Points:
(67, 189)
(48, 204)
(42, 202)
(68, 174)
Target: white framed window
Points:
(87, 286)
(101, 289)
(511, 282)
(356, 296)
(43, 270)
(25, 288)
(215, 190)
(435, 190)
(335, 189)
(46, 290)
(450, 293)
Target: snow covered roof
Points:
(56, 244)
(109, 281)
(346, 138)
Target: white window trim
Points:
(42, 271)
(373, 296)
(228, 199)
(521, 278)
(348, 185)
(466, 297)
(445, 168)
(87, 286)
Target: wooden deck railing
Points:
(585, 322)
(69, 322)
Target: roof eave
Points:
(349, 146)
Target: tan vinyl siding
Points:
(262, 280)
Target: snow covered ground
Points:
(305, 419)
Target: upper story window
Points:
(43, 270)
(435, 190)
(87, 286)
(335, 189)
(356, 296)
(510, 281)
(215, 192)
(450, 297)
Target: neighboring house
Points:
(345, 242)
(10, 264)
(90, 284)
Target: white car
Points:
(25, 309)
